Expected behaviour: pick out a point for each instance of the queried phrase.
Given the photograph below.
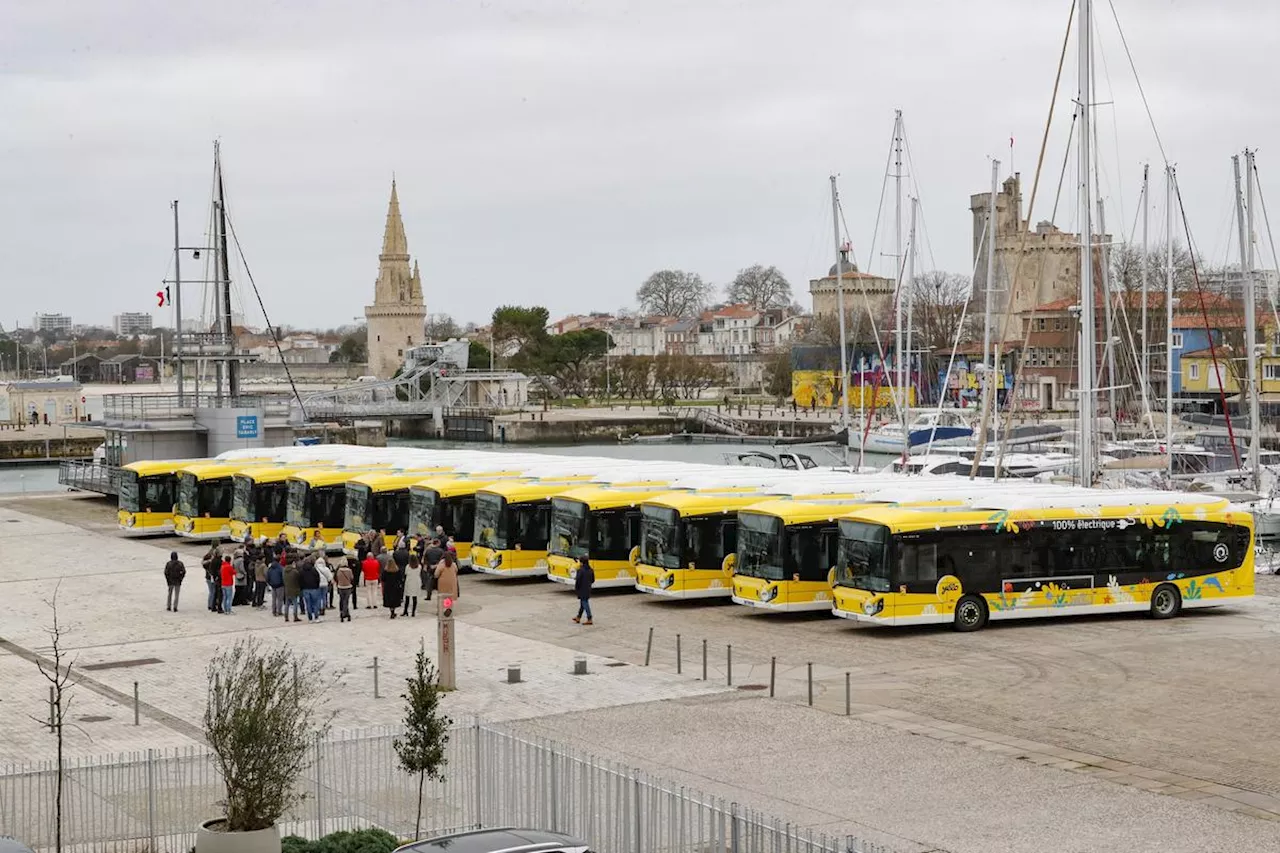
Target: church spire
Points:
(394, 244)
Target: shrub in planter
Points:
(361, 841)
(262, 719)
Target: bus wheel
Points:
(1165, 601)
(971, 613)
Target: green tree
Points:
(524, 327)
(570, 358)
(478, 356)
(354, 348)
(420, 750)
(262, 718)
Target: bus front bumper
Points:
(783, 606)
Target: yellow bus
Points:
(601, 523)
(148, 496)
(787, 551)
(316, 507)
(380, 501)
(513, 526)
(450, 503)
(1024, 557)
(689, 543)
(204, 499)
(259, 495)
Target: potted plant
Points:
(262, 720)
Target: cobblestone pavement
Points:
(1180, 708)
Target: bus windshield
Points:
(357, 508)
(296, 509)
(188, 488)
(242, 498)
(760, 552)
(864, 556)
(569, 528)
(660, 537)
(491, 521)
(327, 506)
(214, 499)
(390, 511)
(129, 491)
(422, 511)
(458, 517)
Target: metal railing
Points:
(141, 408)
(90, 476)
(155, 799)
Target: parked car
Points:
(499, 841)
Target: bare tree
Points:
(760, 287)
(58, 674)
(940, 299)
(441, 327)
(673, 293)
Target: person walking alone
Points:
(228, 577)
(582, 583)
(275, 580)
(344, 579)
(292, 591)
(174, 572)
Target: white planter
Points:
(210, 839)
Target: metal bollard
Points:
(773, 675)
(648, 647)
(580, 665)
(811, 684)
(135, 704)
(513, 673)
(728, 671)
(375, 677)
(679, 657)
(848, 696)
(704, 660)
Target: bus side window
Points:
(919, 566)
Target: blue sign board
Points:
(246, 426)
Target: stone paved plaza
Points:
(1113, 733)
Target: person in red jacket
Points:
(370, 569)
(228, 584)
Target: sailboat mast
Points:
(844, 349)
(898, 261)
(1244, 222)
(229, 365)
(1088, 332)
(1146, 330)
(1168, 318)
(990, 238)
(1109, 318)
(1251, 323)
(911, 307)
(177, 308)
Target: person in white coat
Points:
(326, 584)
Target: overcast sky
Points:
(557, 152)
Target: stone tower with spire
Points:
(398, 314)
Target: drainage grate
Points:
(616, 663)
(120, 664)
(93, 718)
(753, 687)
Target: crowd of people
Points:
(299, 582)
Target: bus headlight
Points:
(873, 606)
(666, 581)
(769, 593)
(131, 521)
(300, 538)
(495, 561)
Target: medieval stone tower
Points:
(398, 314)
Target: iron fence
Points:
(90, 476)
(154, 800)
